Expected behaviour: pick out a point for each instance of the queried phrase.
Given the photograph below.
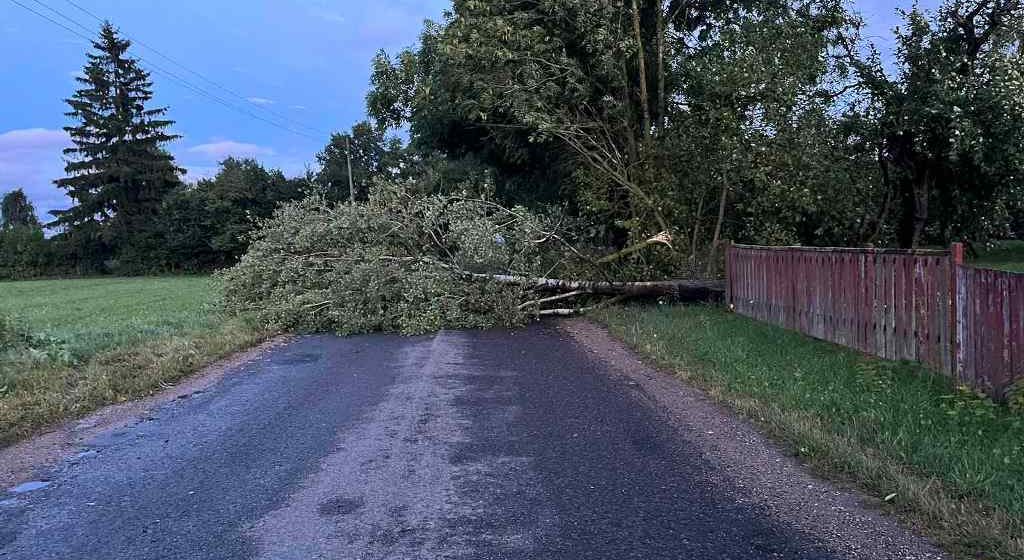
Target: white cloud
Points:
(32, 139)
(297, 107)
(260, 100)
(31, 159)
(217, 151)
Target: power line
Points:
(51, 20)
(213, 83)
(183, 82)
(62, 16)
(156, 68)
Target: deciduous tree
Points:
(950, 119)
(17, 211)
(373, 155)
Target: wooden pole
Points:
(348, 158)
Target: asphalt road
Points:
(460, 445)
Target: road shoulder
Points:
(33, 457)
(759, 470)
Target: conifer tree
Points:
(118, 171)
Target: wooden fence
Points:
(990, 328)
(922, 306)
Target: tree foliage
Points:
(399, 262)
(118, 171)
(950, 123)
(24, 251)
(760, 120)
(373, 156)
(207, 225)
(17, 211)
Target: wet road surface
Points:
(461, 445)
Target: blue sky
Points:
(305, 59)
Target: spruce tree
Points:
(118, 171)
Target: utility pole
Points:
(348, 157)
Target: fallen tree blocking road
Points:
(418, 263)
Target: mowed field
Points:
(93, 315)
(92, 342)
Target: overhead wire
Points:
(199, 75)
(159, 69)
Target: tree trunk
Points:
(883, 216)
(921, 196)
(645, 104)
(914, 193)
(661, 66)
(883, 213)
(696, 227)
(680, 288)
(718, 225)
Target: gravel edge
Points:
(756, 470)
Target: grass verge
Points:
(947, 461)
(84, 349)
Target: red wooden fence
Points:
(893, 304)
(990, 325)
(924, 306)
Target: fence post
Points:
(956, 257)
(728, 274)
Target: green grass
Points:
(94, 315)
(93, 342)
(954, 461)
(1004, 255)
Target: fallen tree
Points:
(417, 263)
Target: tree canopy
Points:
(370, 155)
(207, 225)
(760, 120)
(949, 124)
(17, 211)
(654, 129)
